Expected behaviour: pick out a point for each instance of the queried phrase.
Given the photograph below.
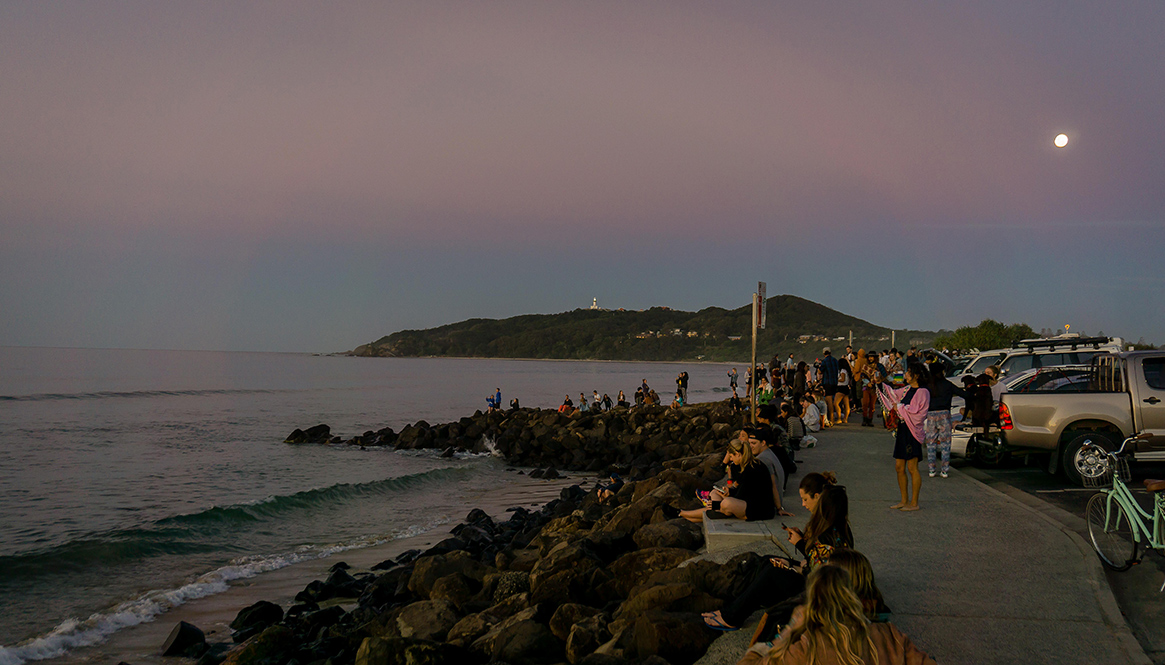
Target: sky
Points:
(305, 176)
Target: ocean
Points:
(134, 481)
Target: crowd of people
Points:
(644, 395)
(826, 607)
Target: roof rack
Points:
(1063, 342)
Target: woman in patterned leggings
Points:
(938, 418)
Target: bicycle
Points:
(1116, 521)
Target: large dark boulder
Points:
(667, 597)
(390, 587)
(584, 637)
(185, 640)
(270, 647)
(410, 651)
(678, 532)
(427, 620)
(526, 643)
(680, 638)
(254, 619)
(633, 568)
(427, 570)
(455, 588)
(569, 614)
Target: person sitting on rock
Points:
(495, 401)
(810, 414)
(622, 400)
(609, 489)
(827, 530)
(514, 405)
(749, 495)
(758, 442)
(835, 629)
(582, 402)
(790, 613)
(678, 400)
(735, 402)
(567, 407)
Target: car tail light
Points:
(1005, 417)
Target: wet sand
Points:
(213, 614)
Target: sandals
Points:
(715, 622)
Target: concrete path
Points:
(974, 577)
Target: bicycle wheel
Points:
(1111, 532)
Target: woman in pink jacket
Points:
(911, 402)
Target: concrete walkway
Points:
(974, 577)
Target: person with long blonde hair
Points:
(787, 613)
(749, 495)
(834, 629)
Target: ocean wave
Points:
(114, 394)
(75, 633)
(193, 533)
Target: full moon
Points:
(1061, 140)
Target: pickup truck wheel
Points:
(1080, 463)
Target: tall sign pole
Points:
(758, 323)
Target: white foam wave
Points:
(75, 633)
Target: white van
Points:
(1070, 349)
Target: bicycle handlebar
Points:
(1140, 436)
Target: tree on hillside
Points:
(989, 334)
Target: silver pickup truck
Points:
(1124, 394)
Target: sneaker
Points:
(931, 474)
(944, 474)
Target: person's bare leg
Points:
(696, 515)
(900, 467)
(734, 507)
(916, 479)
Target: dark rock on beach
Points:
(186, 640)
(254, 619)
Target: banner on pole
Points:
(761, 287)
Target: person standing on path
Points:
(872, 376)
(829, 370)
(800, 382)
(841, 408)
(732, 379)
(790, 368)
(938, 418)
(912, 402)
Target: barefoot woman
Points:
(911, 402)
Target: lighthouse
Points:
(594, 303)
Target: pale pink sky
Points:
(196, 175)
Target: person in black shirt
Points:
(938, 418)
(750, 489)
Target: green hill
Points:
(794, 325)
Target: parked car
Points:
(1122, 394)
(1050, 352)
